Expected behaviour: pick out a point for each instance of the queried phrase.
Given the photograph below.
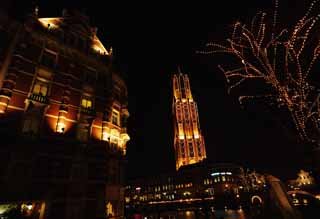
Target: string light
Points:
(283, 61)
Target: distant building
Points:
(303, 181)
(200, 185)
(63, 112)
(304, 191)
(188, 141)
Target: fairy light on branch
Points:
(282, 59)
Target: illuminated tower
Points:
(188, 140)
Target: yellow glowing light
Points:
(105, 136)
(266, 54)
(55, 23)
(187, 124)
(6, 207)
(186, 193)
(98, 46)
(61, 127)
(124, 137)
(115, 133)
(50, 22)
(109, 209)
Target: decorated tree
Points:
(285, 61)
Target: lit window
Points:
(86, 103)
(40, 89)
(115, 117)
(36, 89)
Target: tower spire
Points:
(179, 70)
(188, 140)
(35, 8)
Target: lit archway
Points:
(254, 198)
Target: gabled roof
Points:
(56, 23)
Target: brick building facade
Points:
(63, 112)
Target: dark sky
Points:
(149, 41)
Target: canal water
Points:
(216, 214)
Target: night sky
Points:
(149, 41)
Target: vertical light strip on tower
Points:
(188, 141)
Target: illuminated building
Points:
(63, 112)
(201, 185)
(303, 181)
(188, 141)
(303, 192)
(211, 190)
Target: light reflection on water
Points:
(230, 214)
(217, 214)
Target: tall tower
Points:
(188, 140)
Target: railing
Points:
(88, 111)
(39, 98)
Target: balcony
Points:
(88, 111)
(39, 98)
